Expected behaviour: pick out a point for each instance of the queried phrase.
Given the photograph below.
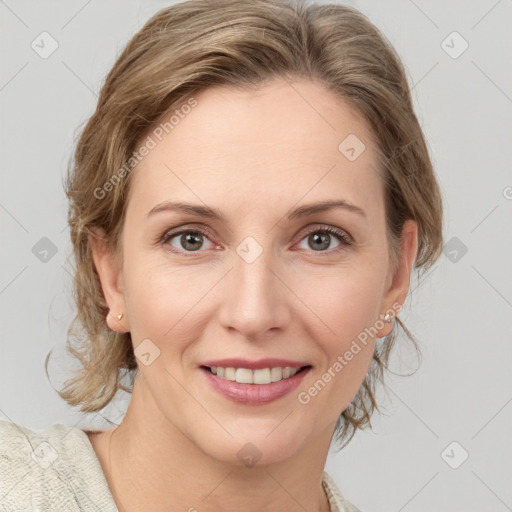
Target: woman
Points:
(247, 205)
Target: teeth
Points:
(276, 374)
(229, 373)
(247, 376)
(244, 376)
(262, 376)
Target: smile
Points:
(254, 387)
(248, 376)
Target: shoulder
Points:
(336, 500)
(50, 469)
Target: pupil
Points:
(189, 239)
(321, 241)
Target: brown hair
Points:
(197, 44)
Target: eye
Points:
(187, 240)
(319, 238)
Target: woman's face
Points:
(262, 279)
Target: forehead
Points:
(249, 148)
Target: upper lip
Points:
(254, 365)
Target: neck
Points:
(155, 466)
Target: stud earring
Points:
(119, 316)
(387, 318)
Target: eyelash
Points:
(345, 239)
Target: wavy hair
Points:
(197, 44)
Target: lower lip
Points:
(254, 394)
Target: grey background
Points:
(461, 312)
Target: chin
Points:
(255, 443)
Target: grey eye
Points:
(188, 241)
(320, 240)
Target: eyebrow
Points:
(212, 213)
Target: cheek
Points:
(341, 302)
(164, 301)
(343, 305)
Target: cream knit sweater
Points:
(56, 470)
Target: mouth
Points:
(254, 386)
(261, 376)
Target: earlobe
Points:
(110, 276)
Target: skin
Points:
(253, 155)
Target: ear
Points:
(110, 276)
(397, 284)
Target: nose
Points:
(255, 297)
